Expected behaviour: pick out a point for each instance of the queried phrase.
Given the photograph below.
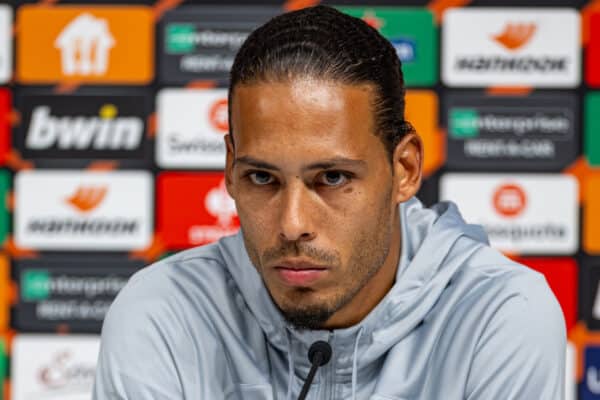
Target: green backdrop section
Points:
(592, 128)
(412, 32)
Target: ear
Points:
(407, 167)
(230, 156)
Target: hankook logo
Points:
(515, 36)
(87, 198)
(83, 210)
(511, 46)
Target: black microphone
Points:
(319, 354)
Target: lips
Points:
(300, 274)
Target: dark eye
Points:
(333, 178)
(260, 178)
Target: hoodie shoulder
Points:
(149, 336)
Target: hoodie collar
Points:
(428, 238)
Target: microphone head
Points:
(322, 347)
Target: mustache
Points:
(295, 249)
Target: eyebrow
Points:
(322, 164)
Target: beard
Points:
(305, 307)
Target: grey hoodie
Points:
(461, 322)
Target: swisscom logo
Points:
(521, 213)
(511, 47)
(195, 209)
(85, 44)
(54, 367)
(71, 210)
(191, 128)
(83, 126)
(5, 43)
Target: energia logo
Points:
(107, 131)
(87, 198)
(84, 45)
(515, 35)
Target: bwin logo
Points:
(103, 132)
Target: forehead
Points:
(305, 112)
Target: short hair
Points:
(325, 43)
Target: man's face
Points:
(313, 187)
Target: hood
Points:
(431, 254)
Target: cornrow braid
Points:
(325, 43)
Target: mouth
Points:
(300, 273)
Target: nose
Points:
(297, 211)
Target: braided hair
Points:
(325, 43)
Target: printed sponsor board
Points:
(534, 133)
(194, 209)
(53, 367)
(511, 47)
(562, 275)
(590, 292)
(422, 112)
(591, 215)
(200, 42)
(590, 386)
(4, 293)
(5, 43)
(521, 213)
(592, 66)
(72, 292)
(413, 34)
(191, 128)
(75, 210)
(5, 111)
(592, 128)
(103, 45)
(96, 125)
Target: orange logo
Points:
(85, 44)
(422, 112)
(86, 198)
(509, 200)
(515, 36)
(591, 214)
(218, 116)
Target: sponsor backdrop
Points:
(112, 117)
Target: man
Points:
(335, 247)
